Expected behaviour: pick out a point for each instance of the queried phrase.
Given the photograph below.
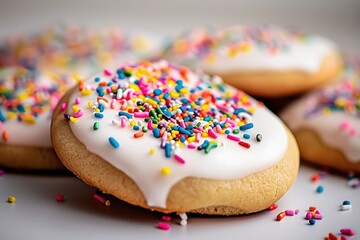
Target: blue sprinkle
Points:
(246, 135)
(109, 84)
(189, 127)
(157, 92)
(346, 202)
(312, 221)
(227, 131)
(184, 101)
(2, 117)
(207, 118)
(182, 139)
(246, 126)
(99, 115)
(186, 119)
(205, 144)
(166, 96)
(136, 127)
(178, 88)
(239, 110)
(100, 91)
(156, 132)
(167, 150)
(179, 82)
(21, 108)
(192, 91)
(101, 107)
(126, 114)
(97, 79)
(319, 189)
(113, 142)
(184, 131)
(154, 99)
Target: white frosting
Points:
(306, 55)
(230, 161)
(327, 127)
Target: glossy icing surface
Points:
(332, 112)
(197, 126)
(249, 48)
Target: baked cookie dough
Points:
(168, 139)
(326, 122)
(262, 60)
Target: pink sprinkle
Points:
(343, 238)
(141, 114)
(150, 125)
(77, 100)
(123, 104)
(182, 124)
(123, 121)
(347, 231)
(344, 124)
(78, 113)
(218, 128)
(289, 212)
(164, 226)
(99, 198)
(318, 216)
(297, 211)
(191, 146)
(59, 197)
(107, 72)
(63, 106)
(0, 125)
(108, 90)
(198, 136)
(113, 104)
(220, 107)
(2, 172)
(352, 132)
(308, 215)
(166, 218)
(212, 133)
(233, 137)
(179, 159)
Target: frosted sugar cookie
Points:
(165, 138)
(326, 122)
(263, 60)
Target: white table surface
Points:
(36, 214)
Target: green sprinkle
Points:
(210, 146)
(96, 125)
(144, 129)
(236, 131)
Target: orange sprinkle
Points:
(315, 177)
(5, 135)
(332, 236)
(102, 98)
(138, 135)
(103, 84)
(312, 209)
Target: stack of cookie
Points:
(181, 134)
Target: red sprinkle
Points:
(59, 197)
(164, 226)
(280, 216)
(166, 218)
(332, 236)
(315, 177)
(273, 207)
(244, 144)
(312, 208)
(5, 135)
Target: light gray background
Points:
(36, 215)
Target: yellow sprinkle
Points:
(152, 151)
(205, 107)
(28, 119)
(75, 108)
(211, 58)
(204, 134)
(251, 110)
(191, 139)
(174, 132)
(11, 199)
(214, 141)
(232, 52)
(165, 170)
(73, 120)
(76, 77)
(90, 104)
(11, 115)
(184, 91)
(97, 110)
(107, 203)
(22, 96)
(132, 123)
(150, 101)
(174, 94)
(245, 47)
(86, 92)
(175, 107)
(326, 111)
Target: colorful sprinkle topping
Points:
(209, 43)
(173, 105)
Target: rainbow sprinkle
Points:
(206, 43)
(180, 107)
